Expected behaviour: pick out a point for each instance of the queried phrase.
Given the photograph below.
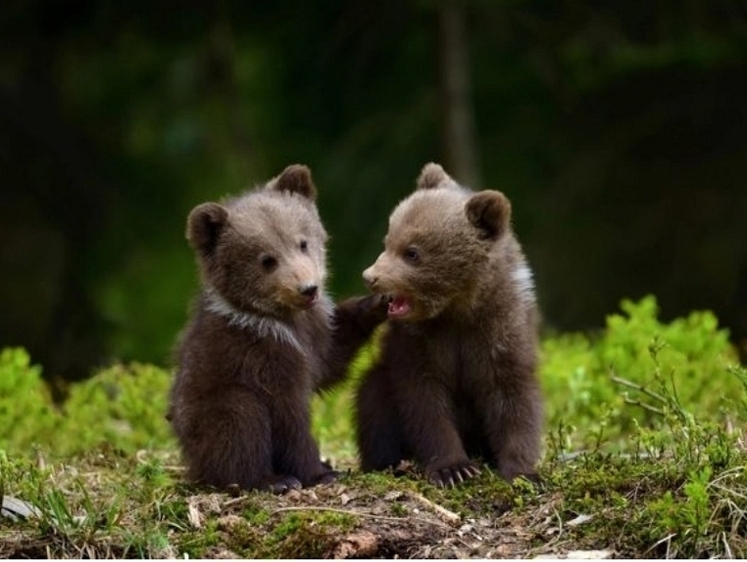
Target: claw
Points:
(469, 470)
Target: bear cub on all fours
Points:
(456, 377)
(262, 338)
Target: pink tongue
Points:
(398, 306)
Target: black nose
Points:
(309, 290)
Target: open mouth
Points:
(311, 300)
(399, 306)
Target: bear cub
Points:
(262, 338)
(456, 377)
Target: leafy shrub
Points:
(599, 390)
(26, 408)
(622, 377)
(122, 407)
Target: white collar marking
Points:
(524, 282)
(264, 326)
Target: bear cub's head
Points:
(263, 252)
(440, 241)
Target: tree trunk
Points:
(458, 135)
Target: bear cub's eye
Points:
(268, 262)
(411, 255)
(303, 245)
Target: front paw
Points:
(373, 308)
(452, 474)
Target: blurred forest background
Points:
(617, 129)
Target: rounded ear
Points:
(204, 225)
(296, 178)
(431, 176)
(490, 212)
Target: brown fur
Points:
(262, 338)
(456, 376)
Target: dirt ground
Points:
(424, 530)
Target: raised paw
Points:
(374, 307)
(284, 484)
(453, 474)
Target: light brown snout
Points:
(371, 274)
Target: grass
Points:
(645, 456)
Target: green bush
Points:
(625, 376)
(598, 390)
(26, 409)
(121, 407)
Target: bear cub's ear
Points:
(204, 225)
(296, 178)
(432, 175)
(490, 212)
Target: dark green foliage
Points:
(617, 130)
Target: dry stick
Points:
(449, 516)
(358, 513)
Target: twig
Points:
(639, 388)
(448, 516)
(727, 548)
(232, 501)
(645, 406)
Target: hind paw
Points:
(327, 477)
(453, 474)
(284, 484)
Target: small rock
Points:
(361, 544)
(293, 495)
(16, 509)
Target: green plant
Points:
(26, 409)
(122, 406)
(332, 411)
(613, 382)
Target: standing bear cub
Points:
(456, 376)
(263, 336)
